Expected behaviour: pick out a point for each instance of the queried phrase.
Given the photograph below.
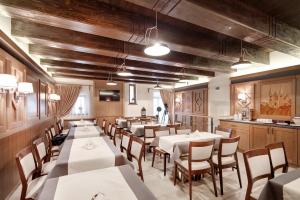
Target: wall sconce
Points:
(8, 83)
(242, 97)
(24, 88)
(177, 100)
(54, 97)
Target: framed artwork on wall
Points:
(43, 99)
(277, 99)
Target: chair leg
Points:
(190, 186)
(238, 170)
(153, 157)
(175, 173)
(214, 180)
(145, 154)
(221, 179)
(165, 164)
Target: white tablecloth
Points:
(83, 159)
(86, 131)
(291, 191)
(82, 123)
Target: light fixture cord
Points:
(149, 30)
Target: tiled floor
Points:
(162, 186)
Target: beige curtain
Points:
(68, 96)
(167, 97)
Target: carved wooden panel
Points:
(187, 98)
(200, 101)
(245, 90)
(178, 102)
(43, 94)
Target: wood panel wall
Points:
(190, 103)
(107, 110)
(20, 121)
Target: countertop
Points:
(260, 123)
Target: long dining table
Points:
(84, 154)
(84, 132)
(112, 183)
(82, 123)
(282, 187)
(138, 129)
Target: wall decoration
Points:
(277, 99)
(243, 97)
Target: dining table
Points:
(283, 187)
(177, 145)
(84, 132)
(82, 123)
(84, 154)
(138, 129)
(113, 183)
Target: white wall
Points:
(144, 99)
(219, 99)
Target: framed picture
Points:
(277, 99)
(42, 99)
(32, 99)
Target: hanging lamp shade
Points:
(25, 88)
(157, 49)
(241, 64)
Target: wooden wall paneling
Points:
(297, 96)
(187, 101)
(32, 99)
(42, 99)
(2, 97)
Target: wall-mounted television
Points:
(109, 95)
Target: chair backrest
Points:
(228, 146)
(59, 127)
(278, 157)
(149, 131)
(108, 129)
(161, 131)
(26, 165)
(137, 147)
(125, 140)
(49, 141)
(173, 128)
(40, 149)
(103, 124)
(200, 151)
(113, 130)
(183, 130)
(224, 132)
(53, 132)
(258, 166)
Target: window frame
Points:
(134, 95)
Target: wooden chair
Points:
(125, 143)
(113, 133)
(51, 150)
(258, 166)
(199, 162)
(145, 120)
(27, 168)
(227, 158)
(108, 130)
(278, 157)
(162, 131)
(173, 128)
(149, 136)
(103, 126)
(224, 132)
(136, 149)
(44, 166)
(60, 127)
(182, 130)
(53, 131)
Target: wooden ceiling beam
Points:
(105, 75)
(99, 18)
(92, 59)
(73, 40)
(63, 75)
(234, 18)
(53, 65)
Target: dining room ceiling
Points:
(90, 38)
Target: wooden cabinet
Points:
(260, 136)
(239, 129)
(298, 135)
(290, 138)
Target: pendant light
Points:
(242, 63)
(157, 86)
(122, 70)
(109, 81)
(155, 48)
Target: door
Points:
(260, 136)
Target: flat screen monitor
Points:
(109, 95)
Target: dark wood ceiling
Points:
(90, 38)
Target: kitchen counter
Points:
(260, 123)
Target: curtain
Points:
(167, 97)
(68, 96)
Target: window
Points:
(82, 104)
(132, 94)
(157, 102)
